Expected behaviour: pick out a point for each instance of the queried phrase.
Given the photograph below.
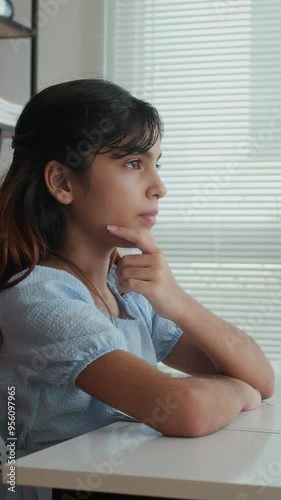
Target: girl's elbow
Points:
(185, 421)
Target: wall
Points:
(68, 48)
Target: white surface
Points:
(267, 418)
(134, 459)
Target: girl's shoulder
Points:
(44, 281)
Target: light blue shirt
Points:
(51, 331)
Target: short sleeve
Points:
(56, 331)
(165, 335)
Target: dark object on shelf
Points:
(6, 9)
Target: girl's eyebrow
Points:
(148, 154)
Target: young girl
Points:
(82, 328)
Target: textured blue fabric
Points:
(51, 331)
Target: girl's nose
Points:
(156, 187)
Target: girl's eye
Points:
(134, 164)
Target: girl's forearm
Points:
(231, 351)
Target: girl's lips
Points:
(149, 217)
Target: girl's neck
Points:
(96, 273)
(108, 302)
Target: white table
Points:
(131, 458)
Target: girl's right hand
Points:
(251, 396)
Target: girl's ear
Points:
(58, 182)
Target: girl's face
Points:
(121, 191)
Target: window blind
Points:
(212, 69)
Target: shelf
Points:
(12, 29)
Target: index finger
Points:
(143, 239)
